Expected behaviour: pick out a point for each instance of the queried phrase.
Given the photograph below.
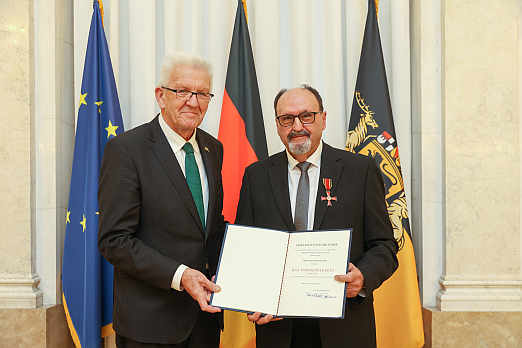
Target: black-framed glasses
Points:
(186, 94)
(305, 117)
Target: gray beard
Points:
(301, 148)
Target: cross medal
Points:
(328, 186)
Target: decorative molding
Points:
(20, 291)
(478, 295)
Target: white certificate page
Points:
(309, 288)
(251, 269)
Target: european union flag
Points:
(86, 276)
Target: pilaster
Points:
(18, 278)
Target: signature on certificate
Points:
(319, 295)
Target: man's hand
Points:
(354, 279)
(261, 320)
(200, 288)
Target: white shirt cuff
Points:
(176, 280)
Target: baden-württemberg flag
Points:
(86, 276)
(398, 315)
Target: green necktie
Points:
(194, 181)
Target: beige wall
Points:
(36, 141)
(466, 112)
(481, 127)
(467, 153)
(481, 124)
(15, 136)
(472, 329)
(18, 280)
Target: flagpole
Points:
(245, 8)
(100, 3)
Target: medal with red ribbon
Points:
(328, 187)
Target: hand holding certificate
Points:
(296, 279)
(354, 280)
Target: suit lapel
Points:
(278, 173)
(209, 161)
(331, 168)
(170, 164)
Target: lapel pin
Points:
(206, 149)
(328, 187)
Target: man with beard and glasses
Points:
(287, 191)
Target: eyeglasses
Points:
(186, 94)
(305, 117)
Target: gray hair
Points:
(172, 60)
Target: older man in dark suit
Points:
(161, 226)
(289, 191)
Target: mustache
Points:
(294, 134)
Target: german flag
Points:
(242, 132)
(372, 133)
(241, 128)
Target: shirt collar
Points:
(175, 140)
(314, 159)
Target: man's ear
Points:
(324, 119)
(159, 97)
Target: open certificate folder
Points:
(286, 274)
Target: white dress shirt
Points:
(294, 173)
(176, 143)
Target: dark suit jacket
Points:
(357, 184)
(149, 225)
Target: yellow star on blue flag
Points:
(82, 100)
(111, 130)
(98, 104)
(83, 223)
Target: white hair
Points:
(172, 60)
